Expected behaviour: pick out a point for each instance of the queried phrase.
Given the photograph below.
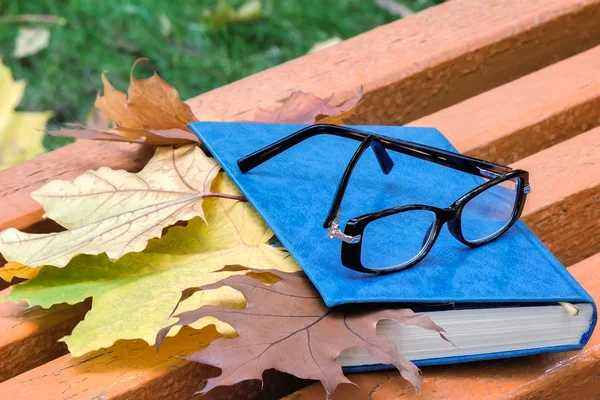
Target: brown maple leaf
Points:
(149, 104)
(150, 137)
(305, 108)
(286, 326)
(150, 113)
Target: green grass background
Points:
(195, 56)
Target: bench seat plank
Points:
(569, 171)
(523, 117)
(410, 68)
(130, 370)
(548, 179)
(29, 337)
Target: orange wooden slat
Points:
(551, 185)
(570, 171)
(527, 115)
(410, 68)
(557, 376)
(426, 62)
(131, 370)
(29, 337)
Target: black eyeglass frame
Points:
(354, 229)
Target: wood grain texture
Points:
(29, 337)
(556, 376)
(409, 68)
(527, 115)
(569, 171)
(132, 370)
(559, 174)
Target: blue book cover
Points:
(293, 193)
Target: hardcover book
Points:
(495, 301)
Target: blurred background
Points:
(61, 47)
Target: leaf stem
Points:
(225, 196)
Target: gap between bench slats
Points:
(537, 111)
(410, 68)
(153, 376)
(560, 376)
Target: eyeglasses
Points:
(476, 218)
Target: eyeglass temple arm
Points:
(448, 159)
(253, 160)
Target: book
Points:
(495, 301)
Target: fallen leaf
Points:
(15, 270)
(151, 113)
(116, 212)
(78, 131)
(97, 120)
(166, 26)
(149, 104)
(305, 108)
(21, 133)
(248, 12)
(338, 119)
(150, 137)
(325, 44)
(225, 14)
(135, 296)
(31, 41)
(395, 8)
(286, 326)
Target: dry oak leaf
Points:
(286, 326)
(134, 297)
(305, 108)
(114, 211)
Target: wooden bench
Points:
(516, 82)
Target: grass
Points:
(194, 56)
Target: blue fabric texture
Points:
(294, 190)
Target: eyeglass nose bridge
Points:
(442, 215)
(446, 214)
(451, 215)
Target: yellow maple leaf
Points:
(21, 133)
(115, 212)
(15, 270)
(135, 296)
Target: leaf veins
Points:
(286, 326)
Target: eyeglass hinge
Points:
(335, 232)
(527, 189)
